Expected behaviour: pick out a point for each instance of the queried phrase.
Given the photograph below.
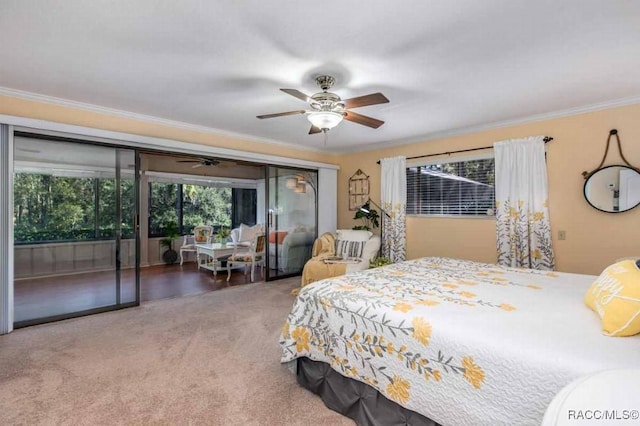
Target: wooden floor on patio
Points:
(50, 296)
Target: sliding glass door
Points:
(75, 229)
(291, 219)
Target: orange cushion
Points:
(277, 237)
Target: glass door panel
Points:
(127, 285)
(74, 232)
(291, 219)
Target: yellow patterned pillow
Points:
(615, 297)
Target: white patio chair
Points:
(252, 255)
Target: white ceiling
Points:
(444, 65)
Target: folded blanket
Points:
(324, 246)
(316, 269)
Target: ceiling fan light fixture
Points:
(325, 120)
(301, 188)
(291, 183)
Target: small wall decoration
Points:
(358, 189)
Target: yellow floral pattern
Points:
(398, 389)
(384, 326)
(301, 337)
(472, 372)
(523, 236)
(427, 302)
(395, 234)
(421, 330)
(402, 307)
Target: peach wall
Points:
(62, 114)
(594, 239)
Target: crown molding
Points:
(497, 124)
(333, 150)
(30, 96)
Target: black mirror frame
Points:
(593, 173)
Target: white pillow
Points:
(350, 243)
(248, 233)
(371, 249)
(346, 248)
(353, 235)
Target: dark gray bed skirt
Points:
(354, 399)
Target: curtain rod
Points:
(546, 139)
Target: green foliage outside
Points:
(201, 205)
(51, 208)
(206, 206)
(480, 170)
(163, 206)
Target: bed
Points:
(459, 342)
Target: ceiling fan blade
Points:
(280, 114)
(360, 101)
(187, 161)
(297, 94)
(314, 130)
(363, 119)
(195, 166)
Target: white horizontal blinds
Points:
(459, 188)
(209, 181)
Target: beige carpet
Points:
(206, 359)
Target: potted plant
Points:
(369, 218)
(171, 233)
(223, 235)
(380, 261)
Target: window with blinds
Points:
(455, 188)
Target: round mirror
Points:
(613, 189)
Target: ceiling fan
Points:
(206, 162)
(328, 109)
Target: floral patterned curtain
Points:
(394, 202)
(522, 213)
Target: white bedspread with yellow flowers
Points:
(457, 341)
